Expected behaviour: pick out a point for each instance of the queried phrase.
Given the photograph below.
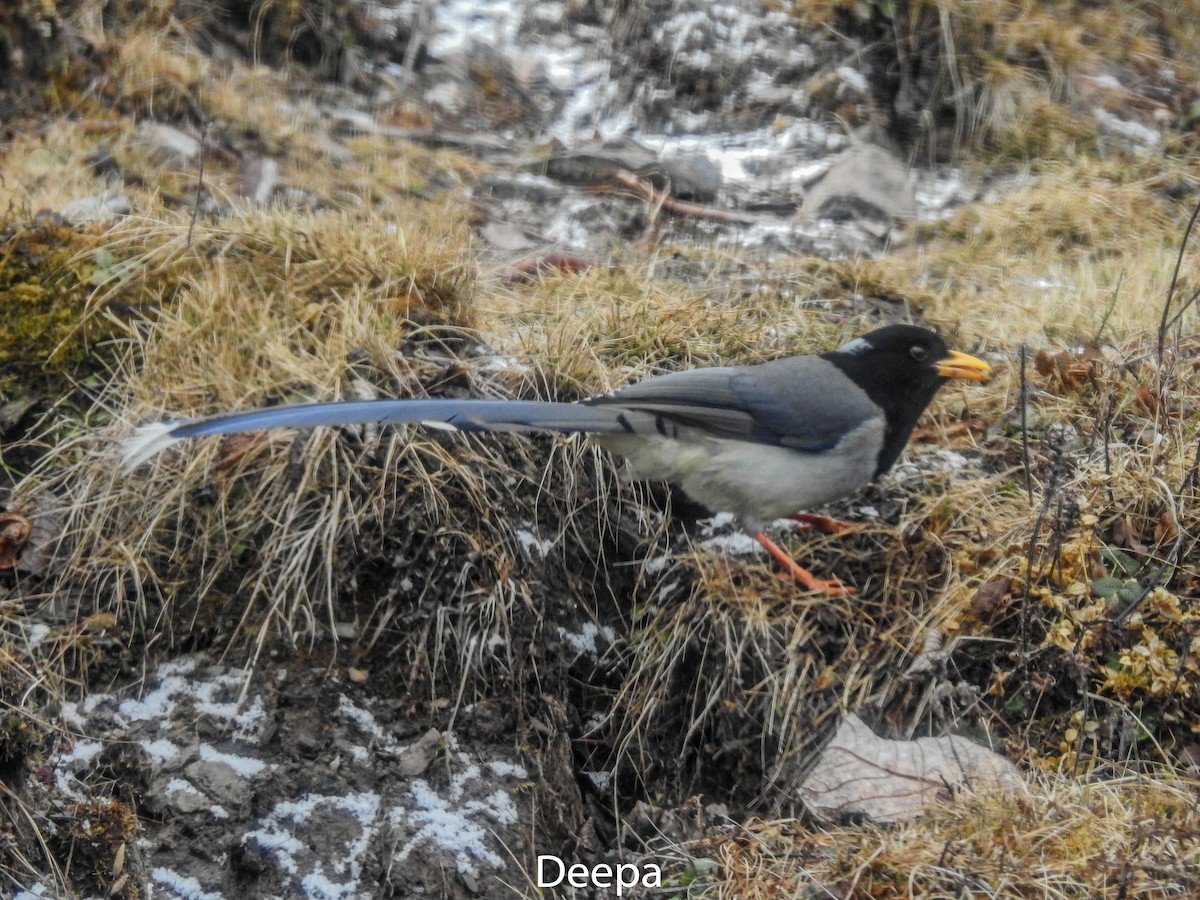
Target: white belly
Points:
(755, 482)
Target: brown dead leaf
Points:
(861, 774)
(1123, 536)
(1041, 682)
(235, 447)
(1073, 370)
(46, 516)
(14, 533)
(1166, 529)
(528, 270)
(1144, 400)
(991, 597)
(1043, 362)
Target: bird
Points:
(763, 441)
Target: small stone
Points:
(106, 207)
(170, 145)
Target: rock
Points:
(169, 145)
(180, 795)
(860, 774)
(864, 182)
(218, 780)
(416, 758)
(258, 179)
(100, 208)
(691, 176)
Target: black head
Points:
(901, 367)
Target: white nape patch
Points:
(856, 347)
(146, 443)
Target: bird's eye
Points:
(919, 353)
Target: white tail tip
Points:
(145, 443)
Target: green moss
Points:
(46, 276)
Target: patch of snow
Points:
(35, 634)
(182, 887)
(460, 23)
(35, 891)
(536, 547)
(938, 193)
(82, 751)
(854, 78)
(655, 564)
(584, 641)
(717, 522)
(941, 460)
(207, 696)
(160, 750)
(179, 786)
(451, 823)
(506, 769)
(363, 718)
(282, 833)
(736, 544)
(496, 362)
(245, 766)
(1133, 131)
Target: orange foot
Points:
(826, 524)
(792, 568)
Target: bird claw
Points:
(792, 569)
(827, 524)
(830, 586)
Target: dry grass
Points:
(268, 307)
(1019, 80)
(1061, 838)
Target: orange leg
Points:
(825, 523)
(801, 574)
